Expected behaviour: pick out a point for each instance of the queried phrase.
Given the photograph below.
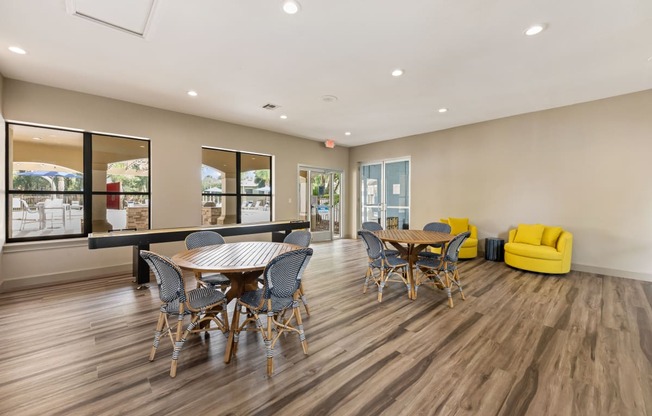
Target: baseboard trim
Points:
(646, 277)
(59, 278)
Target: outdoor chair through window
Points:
(204, 305)
(280, 294)
(381, 266)
(430, 270)
(31, 215)
(440, 227)
(202, 239)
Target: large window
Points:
(236, 187)
(63, 183)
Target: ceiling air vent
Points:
(271, 106)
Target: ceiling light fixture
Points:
(291, 6)
(18, 50)
(443, 110)
(397, 72)
(347, 133)
(192, 93)
(284, 117)
(36, 138)
(535, 29)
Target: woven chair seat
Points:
(217, 279)
(392, 252)
(253, 298)
(391, 262)
(428, 263)
(196, 298)
(429, 255)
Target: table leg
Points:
(240, 283)
(411, 283)
(228, 351)
(412, 259)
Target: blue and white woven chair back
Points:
(373, 243)
(283, 273)
(168, 276)
(371, 226)
(439, 227)
(203, 238)
(299, 238)
(453, 249)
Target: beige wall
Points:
(176, 159)
(2, 175)
(586, 167)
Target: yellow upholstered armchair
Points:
(539, 248)
(469, 249)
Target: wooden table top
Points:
(414, 236)
(231, 257)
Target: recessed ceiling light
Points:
(18, 50)
(397, 72)
(36, 138)
(192, 93)
(443, 110)
(283, 116)
(347, 133)
(534, 30)
(291, 6)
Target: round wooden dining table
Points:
(410, 243)
(241, 262)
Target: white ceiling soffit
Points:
(130, 16)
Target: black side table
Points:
(494, 249)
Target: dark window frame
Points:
(87, 188)
(238, 181)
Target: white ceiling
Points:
(470, 56)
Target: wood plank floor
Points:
(521, 344)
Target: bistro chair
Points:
(431, 269)
(202, 239)
(374, 226)
(280, 294)
(300, 238)
(202, 304)
(381, 266)
(440, 227)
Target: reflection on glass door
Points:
(320, 193)
(385, 193)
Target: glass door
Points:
(385, 193)
(320, 192)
